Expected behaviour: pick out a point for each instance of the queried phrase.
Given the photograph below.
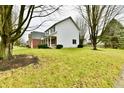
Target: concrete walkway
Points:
(120, 81)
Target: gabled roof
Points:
(62, 21)
(38, 34)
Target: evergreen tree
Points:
(112, 33)
(121, 38)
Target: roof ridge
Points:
(62, 21)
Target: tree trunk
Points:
(2, 50)
(94, 46)
(94, 43)
(6, 49)
(105, 45)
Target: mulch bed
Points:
(18, 61)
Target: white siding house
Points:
(64, 32)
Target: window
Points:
(73, 41)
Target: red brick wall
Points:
(35, 43)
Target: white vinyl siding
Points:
(66, 32)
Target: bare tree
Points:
(44, 13)
(7, 33)
(83, 28)
(97, 17)
(10, 31)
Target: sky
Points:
(65, 11)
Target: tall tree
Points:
(97, 17)
(11, 31)
(110, 37)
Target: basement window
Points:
(73, 41)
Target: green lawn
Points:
(66, 68)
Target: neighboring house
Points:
(35, 39)
(64, 32)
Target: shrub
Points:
(80, 46)
(59, 46)
(28, 46)
(43, 46)
(114, 42)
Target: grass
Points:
(70, 67)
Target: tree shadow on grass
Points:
(18, 61)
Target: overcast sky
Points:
(66, 11)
